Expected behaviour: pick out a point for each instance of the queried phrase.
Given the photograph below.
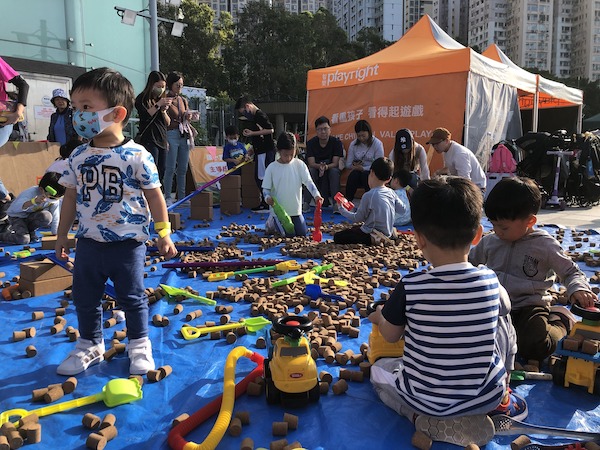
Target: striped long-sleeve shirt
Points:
(451, 364)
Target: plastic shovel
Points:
(174, 292)
(314, 291)
(114, 393)
(311, 278)
(252, 324)
(284, 266)
(290, 280)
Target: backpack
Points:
(502, 160)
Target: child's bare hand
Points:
(166, 247)
(61, 249)
(269, 201)
(247, 132)
(584, 298)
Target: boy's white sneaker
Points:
(140, 356)
(85, 354)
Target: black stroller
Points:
(583, 183)
(544, 161)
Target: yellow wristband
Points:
(32, 201)
(162, 226)
(164, 232)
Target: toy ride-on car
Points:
(378, 346)
(579, 357)
(290, 371)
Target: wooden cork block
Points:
(589, 346)
(244, 417)
(69, 385)
(421, 441)
(30, 332)
(231, 337)
(19, 336)
(37, 315)
(56, 328)
(34, 433)
(223, 309)
(293, 445)
(180, 418)
(108, 420)
(15, 440)
(178, 309)
(261, 343)
(4, 445)
(472, 447)
(291, 420)
(520, 442)
(254, 389)
(37, 395)
(109, 433)
(278, 445)
(95, 441)
(247, 444)
(235, 427)
(30, 351)
(339, 387)
(139, 378)
(326, 377)
(365, 368)
(54, 394)
(323, 387)
(153, 376)
(568, 344)
(91, 421)
(165, 371)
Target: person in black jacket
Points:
(61, 122)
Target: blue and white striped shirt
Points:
(451, 365)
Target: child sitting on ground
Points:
(35, 207)
(234, 151)
(112, 188)
(527, 262)
(459, 340)
(283, 181)
(400, 185)
(377, 209)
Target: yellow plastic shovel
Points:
(284, 266)
(114, 393)
(312, 278)
(174, 292)
(252, 324)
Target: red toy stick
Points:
(317, 235)
(343, 201)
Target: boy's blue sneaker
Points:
(515, 407)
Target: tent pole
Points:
(536, 99)
(580, 118)
(306, 119)
(467, 113)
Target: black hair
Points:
(153, 77)
(404, 137)
(286, 141)
(363, 125)
(231, 129)
(242, 101)
(321, 120)
(447, 211)
(513, 198)
(67, 148)
(116, 89)
(403, 176)
(383, 168)
(173, 78)
(50, 180)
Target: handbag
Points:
(138, 137)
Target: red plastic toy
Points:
(317, 236)
(343, 201)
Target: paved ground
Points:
(572, 217)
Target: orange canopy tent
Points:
(423, 81)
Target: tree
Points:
(368, 42)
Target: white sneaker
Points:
(85, 354)
(169, 201)
(140, 356)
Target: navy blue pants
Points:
(123, 263)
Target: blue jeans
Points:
(178, 157)
(123, 263)
(5, 132)
(300, 228)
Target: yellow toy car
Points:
(378, 346)
(290, 371)
(577, 367)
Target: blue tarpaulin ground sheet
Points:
(356, 419)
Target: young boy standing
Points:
(110, 184)
(234, 151)
(377, 209)
(527, 261)
(459, 341)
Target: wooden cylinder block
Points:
(110, 432)
(421, 441)
(69, 385)
(91, 421)
(520, 442)
(108, 420)
(95, 441)
(280, 428)
(339, 387)
(54, 394)
(247, 444)
(244, 417)
(235, 427)
(291, 420)
(30, 351)
(34, 433)
(37, 315)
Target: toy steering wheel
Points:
(292, 326)
(592, 313)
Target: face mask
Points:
(88, 124)
(157, 92)
(232, 141)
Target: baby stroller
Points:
(539, 163)
(583, 184)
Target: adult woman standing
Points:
(61, 121)
(152, 105)
(179, 135)
(365, 149)
(410, 155)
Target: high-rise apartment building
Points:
(300, 6)
(486, 24)
(585, 36)
(453, 17)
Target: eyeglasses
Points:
(323, 129)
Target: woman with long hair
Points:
(365, 149)
(152, 105)
(410, 155)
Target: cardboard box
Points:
(230, 207)
(202, 199)
(43, 287)
(231, 195)
(42, 270)
(175, 219)
(49, 242)
(248, 174)
(201, 213)
(22, 164)
(231, 182)
(250, 202)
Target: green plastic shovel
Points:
(174, 292)
(284, 266)
(114, 393)
(252, 324)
